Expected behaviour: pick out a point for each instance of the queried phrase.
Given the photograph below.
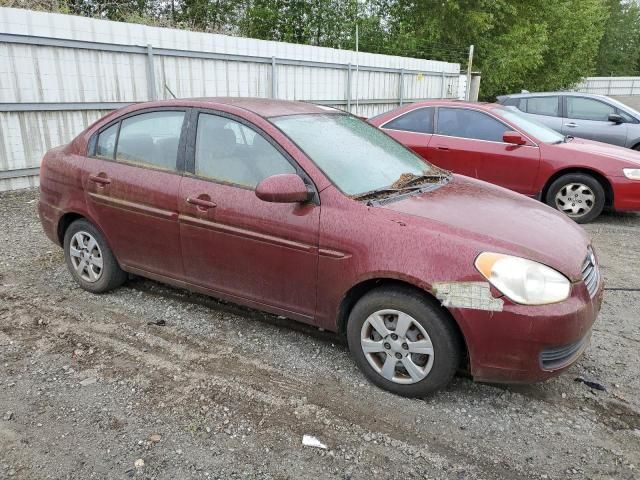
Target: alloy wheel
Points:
(397, 346)
(86, 256)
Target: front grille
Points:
(590, 273)
(559, 357)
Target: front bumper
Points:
(525, 343)
(626, 194)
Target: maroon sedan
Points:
(503, 146)
(311, 213)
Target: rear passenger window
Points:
(106, 145)
(231, 152)
(419, 120)
(464, 123)
(151, 139)
(543, 106)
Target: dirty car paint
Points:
(307, 261)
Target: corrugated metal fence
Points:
(612, 86)
(58, 73)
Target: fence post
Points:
(349, 88)
(401, 87)
(609, 86)
(274, 82)
(469, 66)
(151, 74)
(442, 88)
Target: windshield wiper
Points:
(419, 179)
(565, 139)
(381, 191)
(407, 186)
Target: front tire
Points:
(89, 258)
(403, 342)
(578, 195)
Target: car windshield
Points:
(357, 157)
(529, 126)
(624, 107)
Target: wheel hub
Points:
(575, 199)
(395, 346)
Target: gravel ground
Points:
(91, 388)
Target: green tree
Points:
(316, 22)
(210, 15)
(619, 52)
(536, 45)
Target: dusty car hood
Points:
(581, 145)
(503, 221)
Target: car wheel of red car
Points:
(90, 260)
(578, 195)
(403, 342)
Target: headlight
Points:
(523, 281)
(632, 173)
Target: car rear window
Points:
(543, 106)
(106, 144)
(419, 120)
(151, 139)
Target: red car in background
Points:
(501, 145)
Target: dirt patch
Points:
(94, 385)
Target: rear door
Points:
(469, 142)
(131, 184)
(589, 118)
(235, 243)
(413, 129)
(544, 109)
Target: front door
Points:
(235, 243)
(132, 183)
(470, 142)
(589, 118)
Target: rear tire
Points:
(403, 342)
(89, 258)
(580, 196)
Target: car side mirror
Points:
(514, 138)
(283, 188)
(616, 118)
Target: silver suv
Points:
(584, 115)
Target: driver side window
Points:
(230, 152)
(472, 124)
(588, 109)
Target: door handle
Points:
(572, 125)
(100, 179)
(201, 202)
(442, 147)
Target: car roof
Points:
(449, 102)
(264, 107)
(552, 94)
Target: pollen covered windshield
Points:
(354, 155)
